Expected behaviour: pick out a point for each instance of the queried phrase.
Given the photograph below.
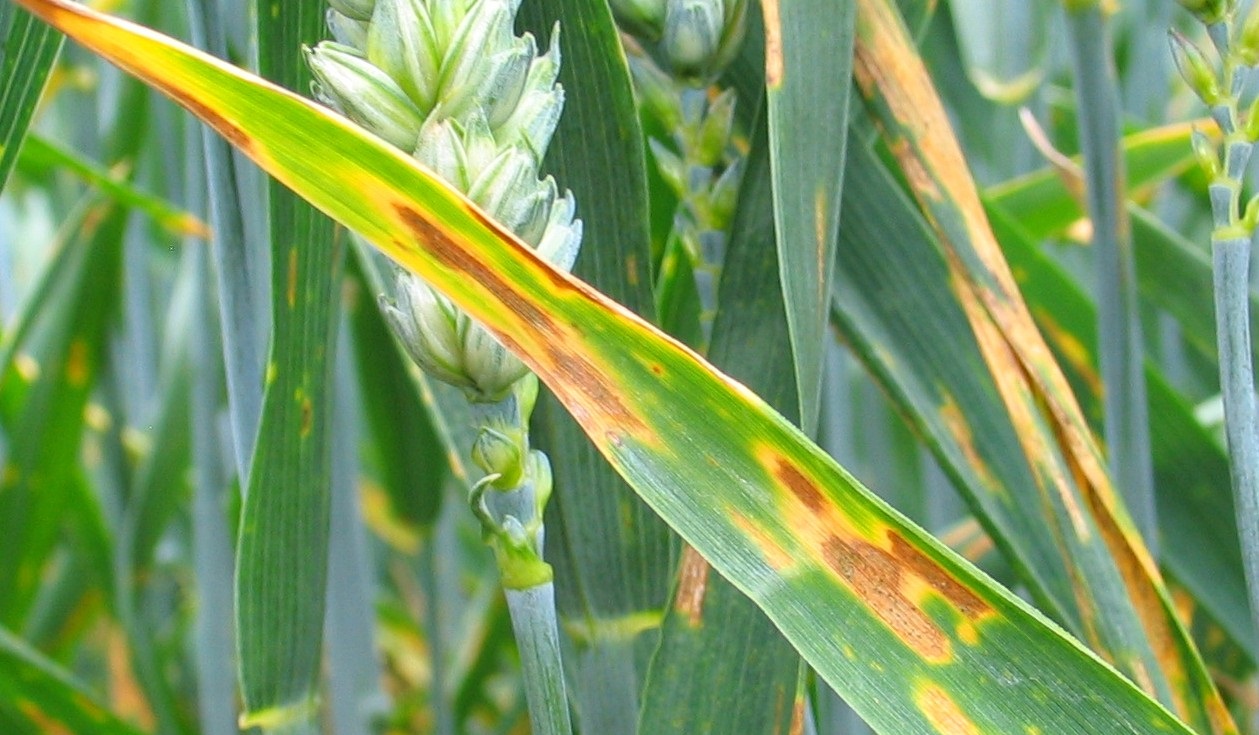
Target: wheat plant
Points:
(639, 366)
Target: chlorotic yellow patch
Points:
(942, 712)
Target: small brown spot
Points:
(692, 587)
(308, 413)
(291, 292)
(875, 575)
(78, 363)
(631, 270)
(799, 485)
(657, 369)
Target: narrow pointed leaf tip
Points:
(925, 639)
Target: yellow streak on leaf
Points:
(942, 712)
(306, 409)
(955, 422)
(188, 224)
(26, 366)
(378, 515)
(773, 44)
(46, 724)
(127, 695)
(1072, 349)
(774, 554)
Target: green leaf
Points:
(213, 562)
(926, 639)
(1046, 202)
(28, 50)
(808, 102)
(43, 155)
(282, 549)
(239, 266)
(1126, 428)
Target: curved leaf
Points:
(914, 637)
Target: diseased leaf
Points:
(1150, 644)
(925, 638)
(43, 396)
(714, 640)
(613, 557)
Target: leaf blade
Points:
(807, 102)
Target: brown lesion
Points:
(290, 294)
(573, 377)
(887, 580)
(797, 716)
(692, 587)
(239, 139)
(799, 485)
(307, 416)
(959, 596)
(876, 576)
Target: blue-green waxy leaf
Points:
(808, 62)
(283, 541)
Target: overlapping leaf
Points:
(915, 638)
(1147, 641)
